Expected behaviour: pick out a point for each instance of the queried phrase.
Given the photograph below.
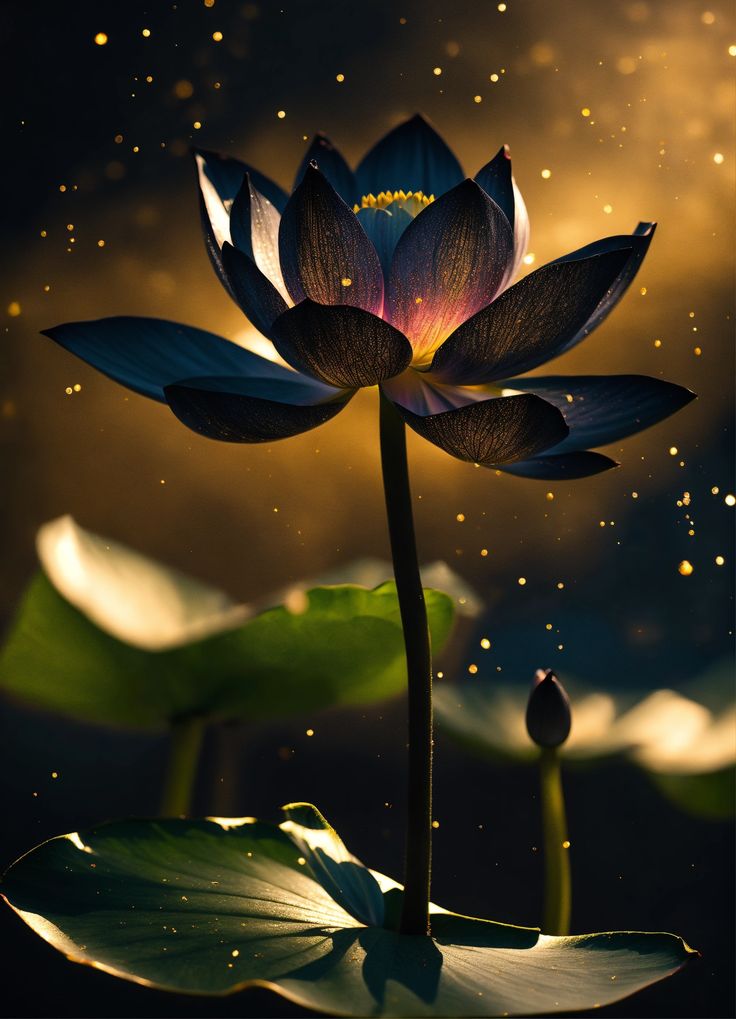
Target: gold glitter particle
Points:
(685, 568)
(101, 39)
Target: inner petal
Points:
(385, 217)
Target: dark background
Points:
(94, 151)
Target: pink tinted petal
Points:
(449, 263)
(414, 391)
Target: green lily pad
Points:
(215, 906)
(105, 635)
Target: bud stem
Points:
(418, 860)
(557, 883)
(186, 744)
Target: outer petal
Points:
(412, 157)
(637, 245)
(492, 431)
(333, 165)
(234, 410)
(599, 409)
(450, 262)
(384, 227)
(227, 175)
(341, 345)
(530, 322)
(324, 251)
(497, 181)
(254, 227)
(147, 354)
(220, 180)
(561, 466)
(258, 299)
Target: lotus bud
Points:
(548, 717)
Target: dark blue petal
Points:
(227, 175)
(637, 244)
(450, 262)
(600, 409)
(561, 467)
(324, 251)
(530, 323)
(341, 345)
(235, 410)
(240, 219)
(384, 227)
(491, 432)
(331, 162)
(411, 157)
(498, 182)
(495, 179)
(216, 230)
(147, 354)
(256, 296)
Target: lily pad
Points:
(105, 635)
(215, 906)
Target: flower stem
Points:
(557, 884)
(418, 862)
(186, 744)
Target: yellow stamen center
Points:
(412, 201)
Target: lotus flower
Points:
(397, 275)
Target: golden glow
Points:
(685, 568)
(546, 174)
(14, 309)
(718, 158)
(101, 39)
(182, 90)
(217, 36)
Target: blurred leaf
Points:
(710, 795)
(333, 645)
(214, 906)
